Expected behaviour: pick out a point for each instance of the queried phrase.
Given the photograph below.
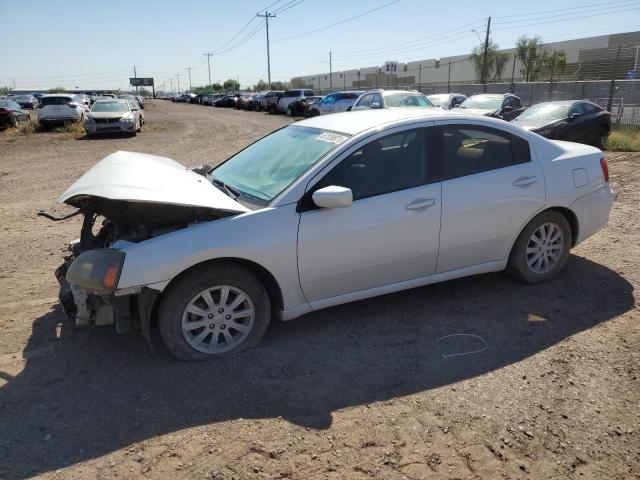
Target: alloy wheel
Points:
(544, 248)
(218, 319)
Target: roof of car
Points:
(359, 121)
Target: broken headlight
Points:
(97, 270)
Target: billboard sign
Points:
(141, 82)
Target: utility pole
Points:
(553, 67)
(513, 72)
(209, 55)
(189, 70)
(330, 73)
(267, 16)
(178, 79)
(135, 75)
(483, 74)
(614, 74)
(419, 76)
(171, 84)
(449, 78)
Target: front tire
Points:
(542, 248)
(213, 311)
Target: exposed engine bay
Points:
(120, 206)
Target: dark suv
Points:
(505, 106)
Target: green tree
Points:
(261, 86)
(144, 92)
(532, 57)
(213, 88)
(496, 61)
(231, 84)
(5, 90)
(57, 90)
(278, 86)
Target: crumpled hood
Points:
(140, 177)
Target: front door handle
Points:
(524, 182)
(420, 203)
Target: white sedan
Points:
(326, 211)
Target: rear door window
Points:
(366, 100)
(55, 100)
(471, 149)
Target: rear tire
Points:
(178, 323)
(542, 248)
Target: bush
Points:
(623, 140)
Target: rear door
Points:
(491, 186)
(578, 128)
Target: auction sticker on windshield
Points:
(331, 137)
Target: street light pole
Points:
(189, 70)
(209, 55)
(178, 79)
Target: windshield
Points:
(270, 165)
(110, 107)
(438, 100)
(484, 103)
(547, 111)
(406, 100)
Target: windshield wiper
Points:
(232, 192)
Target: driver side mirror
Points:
(573, 116)
(507, 108)
(333, 197)
(375, 105)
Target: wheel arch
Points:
(564, 211)
(267, 279)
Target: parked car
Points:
(300, 108)
(447, 100)
(214, 98)
(60, 108)
(334, 103)
(506, 107)
(326, 211)
(38, 96)
(243, 100)
(391, 99)
(270, 100)
(227, 101)
(12, 114)
(107, 95)
(140, 99)
(572, 120)
(26, 101)
(255, 103)
(109, 116)
(290, 96)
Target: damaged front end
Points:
(127, 199)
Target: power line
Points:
(568, 19)
(562, 9)
(338, 23)
(582, 12)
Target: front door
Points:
(391, 231)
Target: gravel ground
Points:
(359, 391)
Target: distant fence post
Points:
(612, 85)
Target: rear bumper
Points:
(592, 211)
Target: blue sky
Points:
(93, 44)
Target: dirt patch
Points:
(356, 391)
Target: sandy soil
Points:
(354, 392)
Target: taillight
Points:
(4, 110)
(605, 169)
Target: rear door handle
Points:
(525, 181)
(420, 203)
